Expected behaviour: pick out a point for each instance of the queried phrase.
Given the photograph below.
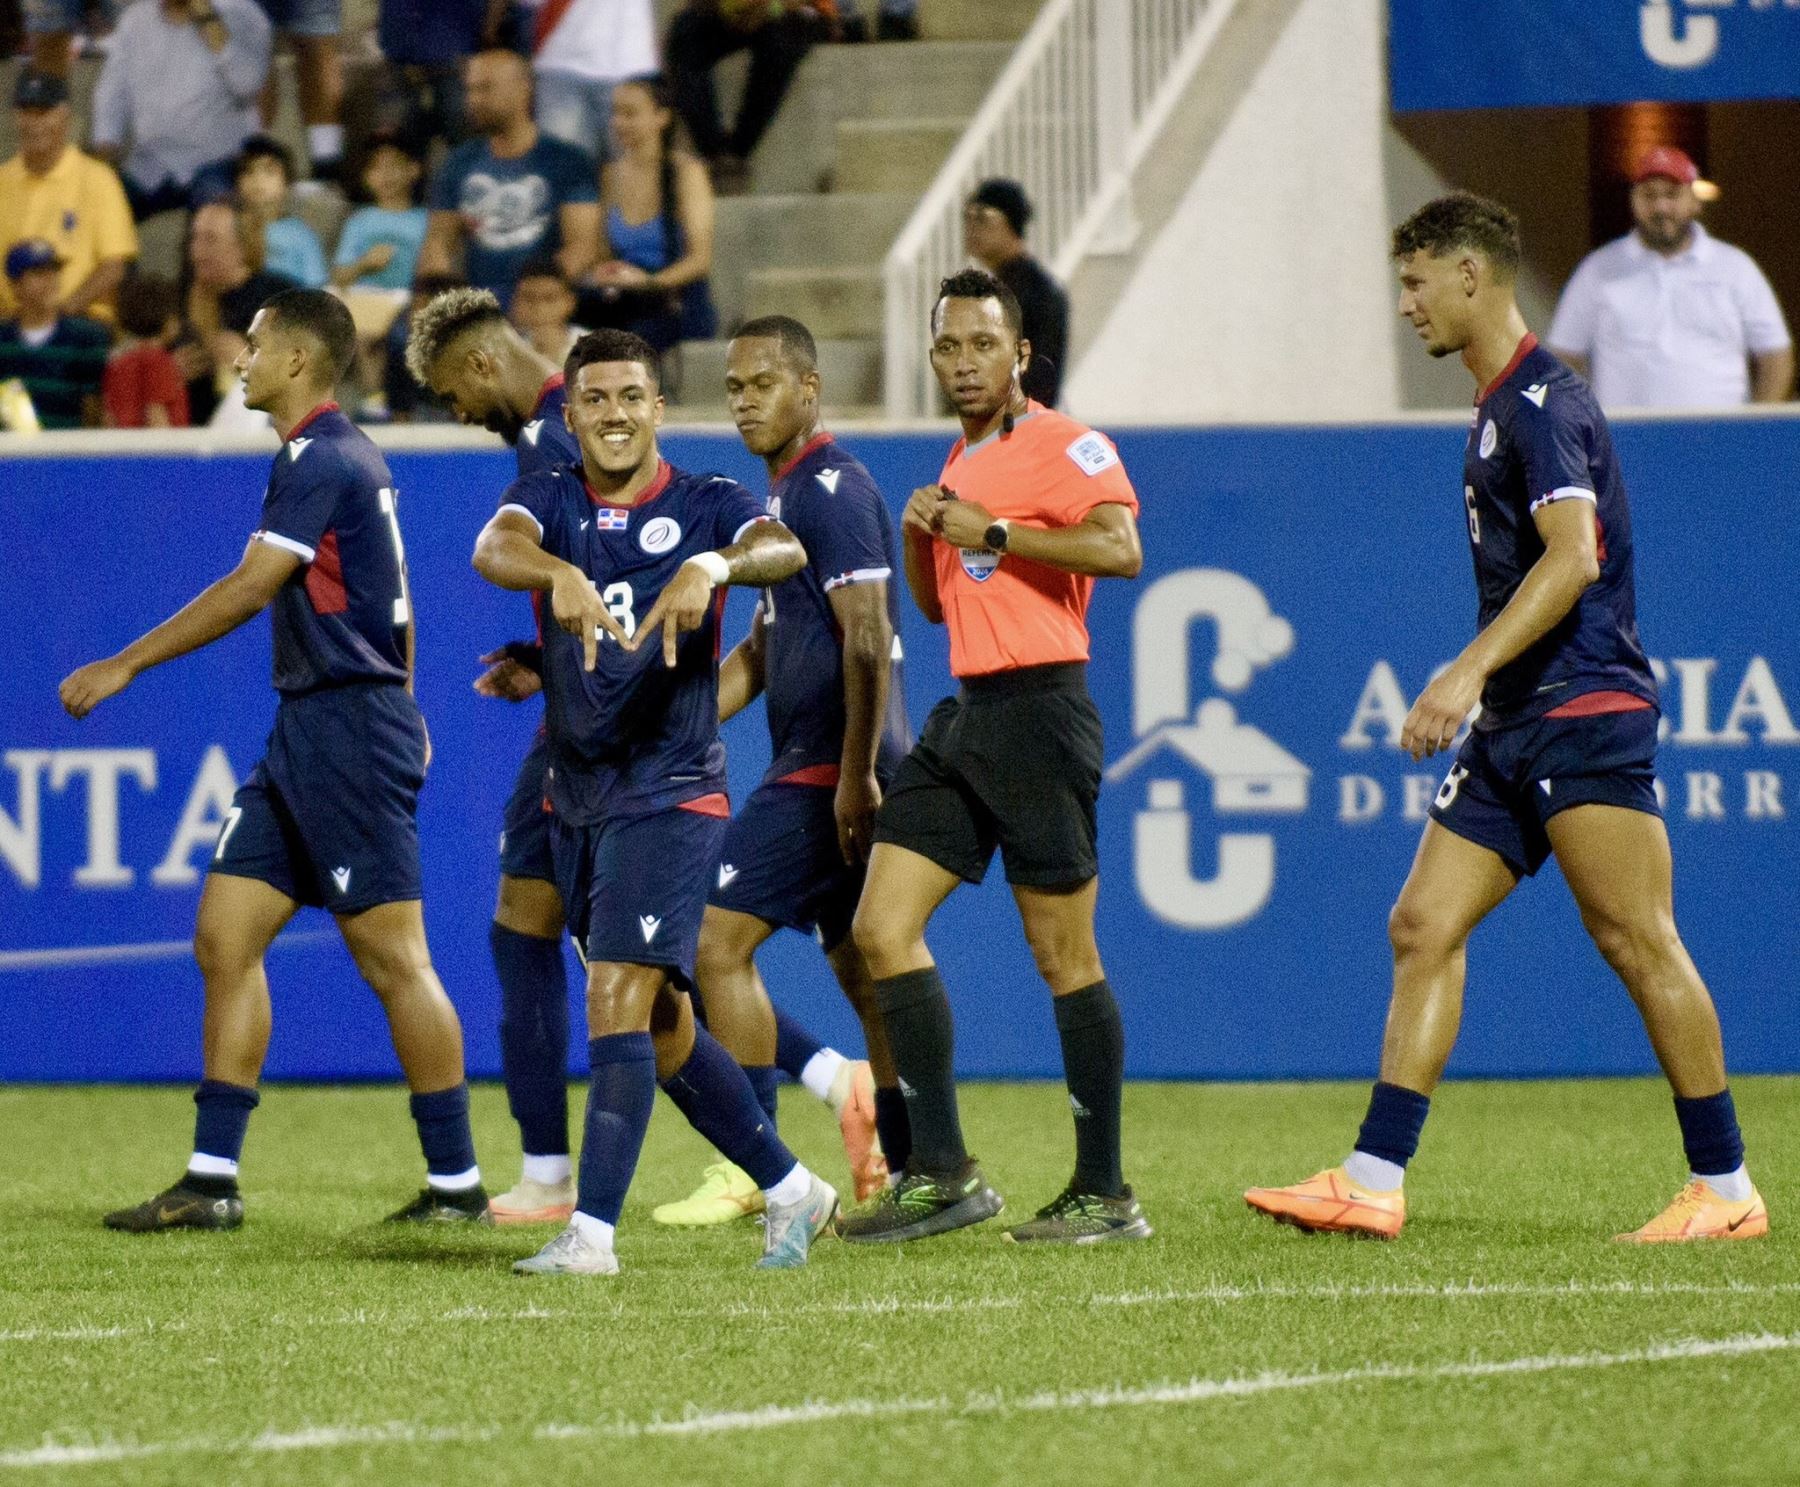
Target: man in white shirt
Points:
(1668, 316)
(580, 48)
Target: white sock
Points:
(325, 142)
(550, 1171)
(454, 1182)
(1374, 1173)
(596, 1232)
(202, 1165)
(821, 1073)
(1734, 1187)
(792, 1188)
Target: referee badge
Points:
(980, 562)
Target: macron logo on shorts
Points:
(649, 924)
(726, 873)
(341, 876)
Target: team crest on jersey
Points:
(980, 562)
(1092, 453)
(1490, 439)
(611, 519)
(660, 535)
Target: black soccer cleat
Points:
(920, 1205)
(179, 1207)
(1073, 1217)
(434, 1207)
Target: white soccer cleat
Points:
(792, 1227)
(570, 1253)
(533, 1202)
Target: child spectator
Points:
(543, 307)
(59, 358)
(143, 387)
(379, 247)
(265, 175)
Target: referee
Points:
(1031, 508)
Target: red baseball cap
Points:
(1666, 160)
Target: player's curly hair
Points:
(1462, 221)
(441, 319)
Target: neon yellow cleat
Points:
(726, 1194)
(1698, 1212)
(1330, 1203)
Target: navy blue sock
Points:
(794, 1046)
(443, 1121)
(1391, 1128)
(715, 1096)
(534, 1037)
(763, 1079)
(621, 1094)
(221, 1116)
(1709, 1132)
(893, 1128)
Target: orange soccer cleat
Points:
(853, 1096)
(1699, 1212)
(1330, 1203)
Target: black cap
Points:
(39, 90)
(1007, 198)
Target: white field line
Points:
(53, 1453)
(880, 1306)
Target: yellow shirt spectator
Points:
(78, 206)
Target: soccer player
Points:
(328, 817)
(463, 349)
(1031, 508)
(632, 555)
(821, 647)
(1560, 757)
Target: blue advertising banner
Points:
(1520, 53)
(1301, 585)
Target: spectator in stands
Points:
(703, 34)
(265, 180)
(52, 24)
(580, 49)
(426, 44)
(379, 246)
(227, 286)
(142, 387)
(543, 309)
(51, 190)
(180, 83)
(895, 20)
(310, 28)
(994, 222)
(60, 358)
(511, 193)
(659, 227)
(1668, 316)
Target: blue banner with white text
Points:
(1300, 587)
(1523, 53)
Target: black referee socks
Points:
(1093, 1049)
(916, 1013)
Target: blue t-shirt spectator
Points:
(509, 207)
(292, 248)
(370, 227)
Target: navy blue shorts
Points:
(525, 828)
(634, 888)
(1507, 783)
(329, 817)
(781, 863)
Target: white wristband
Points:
(715, 565)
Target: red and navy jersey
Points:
(633, 735)
(1538, 438)
(545, 442)
(343, 615)
(831, 503)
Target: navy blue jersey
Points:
(1539, 437)
(344, 614)
(633, 735)
(543, 444)
(831, 503)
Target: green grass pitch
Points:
(1502, 1339)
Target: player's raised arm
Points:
(240, 595)
(742, 673)
(509, 555)
(765, 553)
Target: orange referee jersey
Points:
(1003, 611)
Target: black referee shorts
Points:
(1014, 761)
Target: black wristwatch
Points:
(995, 537)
